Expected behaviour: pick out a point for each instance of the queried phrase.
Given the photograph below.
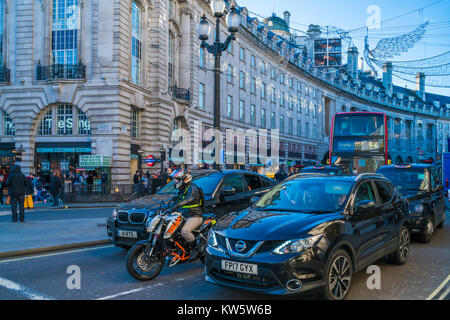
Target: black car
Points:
(335, 171)
(312, 232)
(421, 186)
(225, 191)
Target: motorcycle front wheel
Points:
(141, 266)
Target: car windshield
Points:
(407, 179)
(207, 183)
(306, 195)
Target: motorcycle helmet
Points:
(182, 178)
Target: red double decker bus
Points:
(359, 141)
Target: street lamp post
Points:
(216, 49)
(162, 152)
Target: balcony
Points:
(61, 72)
(181, 94)
(4, 74)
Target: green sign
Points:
(95, 161)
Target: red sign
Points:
(150, 161)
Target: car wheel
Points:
(400, 256)
(441, 225)
(338, 276)
(425, 237)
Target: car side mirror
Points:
(228, 191)
(364, 207)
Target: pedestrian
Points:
(104, 181)
(136, 181)
(90, 182)
(55, 187)
(17, 183)
(2, 186)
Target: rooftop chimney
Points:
(352, 62)
(420, 85)
(287, 18)
(387, 77)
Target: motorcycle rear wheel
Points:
(141, 267)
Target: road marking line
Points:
(22, 290)
(435, 292)
(445, 294)
(55, 254)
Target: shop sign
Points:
(63, 150)
(95, 161)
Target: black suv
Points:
(224, 191)
(421, 186)
(312, 232)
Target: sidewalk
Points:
(36, 237)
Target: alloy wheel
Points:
(404, 244)
(340, 277)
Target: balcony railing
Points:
(61, 71)
(4, 74)
(181, 93)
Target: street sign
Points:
(150, 161)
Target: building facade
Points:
(115, 78)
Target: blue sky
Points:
(352, 14)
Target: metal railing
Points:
(181, 93)
(61, 71)
(4, 74)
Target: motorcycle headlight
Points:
(212, 240)
(294, 246)
(151, 223)
(417, 209)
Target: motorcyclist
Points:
(191, 201)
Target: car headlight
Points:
(294, 246)
(212, 240)
(417, 209)
(114, 214)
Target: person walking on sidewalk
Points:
(2, 186)
(55, 188)
(17, 183)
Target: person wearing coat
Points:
(17, 184)
(55, 188)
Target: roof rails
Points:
(369, 175)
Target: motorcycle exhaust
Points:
(294, 285)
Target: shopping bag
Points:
(30, 201)
(25, 202)
(8, 200)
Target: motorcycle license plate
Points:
(240, 267)
(127, 234)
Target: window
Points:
(314, 110)
(202, 58)
(234, 181)
(201, 96)
(282, 78)
(230, 74)
(242, 54)
(230, 48)
(272, 94)
(84, 126)
(299, 105)
(291, 126)
(45, 125)
(8, 125)
(134, 122)
(65, 28)
(291, 83)
(291, 105)
(307, 130)
(253, 86)
(299, 86)
(2, 31)
(282, 99)
(282, 123)
(263, 118)
(274, 74)
(241, 80)
(241, 111)
(365, 192)
(272, 121)
(385, 190)
(315, 136)
(230, 107)
(253, 182)
(253, 61)
(263, 90)
(263, 67)
(64, 120)
(299, 128)
(252, 114)
(136, 43)
(171, 60)
(307, 108)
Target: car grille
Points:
(246, 280)
(266, 246)
(122, 217)
(137, 217)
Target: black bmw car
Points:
(225, 191)
(312, 232)
(421, 186)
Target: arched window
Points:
(136, 43)
(69, 120)
(65, 31)
(8, 126)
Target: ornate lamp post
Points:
(216, 49)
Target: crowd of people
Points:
(282, 174)
(148, 183)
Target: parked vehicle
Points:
(421, 185)
(145, 259)
(331, 170)
(445, 171)
(312, 232)
(224, 191)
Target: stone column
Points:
(185, 48)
